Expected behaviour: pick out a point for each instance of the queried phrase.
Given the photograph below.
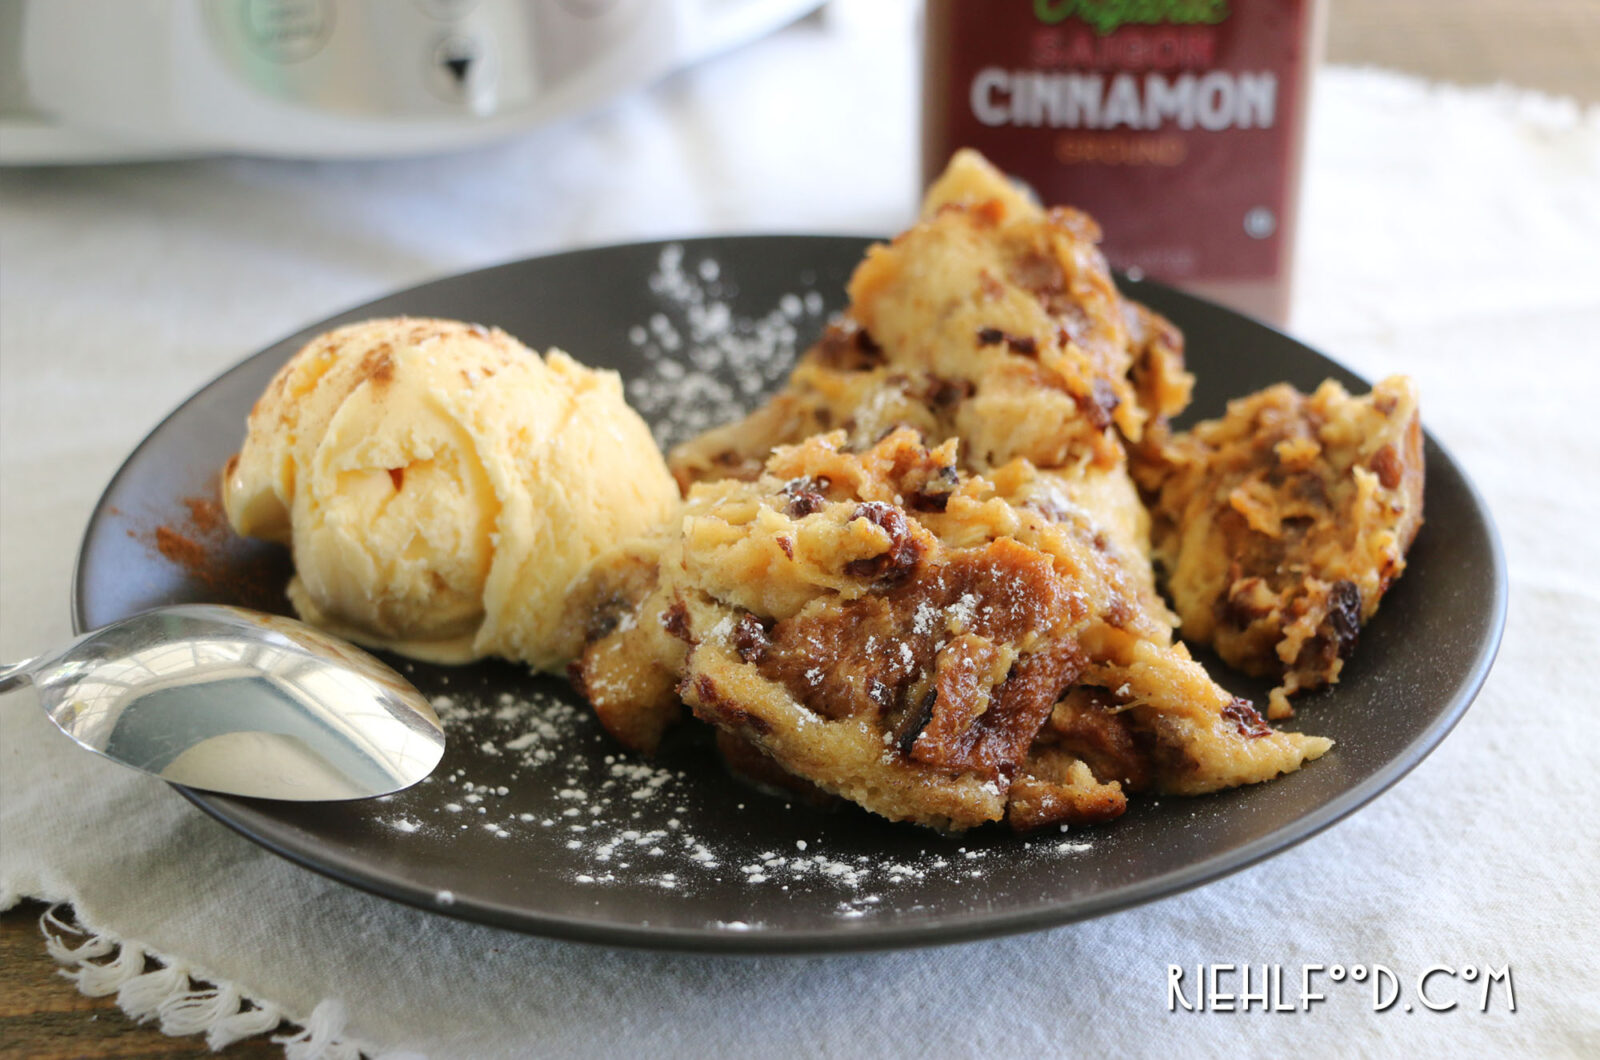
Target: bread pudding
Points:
(920, 577)
(921, 640)
(997, 322)
(991, 320)
(1282, 524)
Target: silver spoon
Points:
(239, 702)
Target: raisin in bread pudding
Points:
(1281, 525)
(916, 638)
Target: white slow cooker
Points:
(104, 80)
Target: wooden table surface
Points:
(1552, 45)
(43, 1017)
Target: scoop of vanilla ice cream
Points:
(441, 486)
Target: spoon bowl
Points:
(238, 702)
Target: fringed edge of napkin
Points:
(182, 1000)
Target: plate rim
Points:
(865, 936)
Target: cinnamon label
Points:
(1176, 123)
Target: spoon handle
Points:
(17, 674)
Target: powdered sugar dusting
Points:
(558, 787)
(707, 365)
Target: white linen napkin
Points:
(1448, 233)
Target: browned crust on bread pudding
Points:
(991, 320)
(1281, 525)
(949, 663)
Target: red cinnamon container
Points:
(1178, 124)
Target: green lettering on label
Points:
(1107, 15)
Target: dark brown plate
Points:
(732, 869)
